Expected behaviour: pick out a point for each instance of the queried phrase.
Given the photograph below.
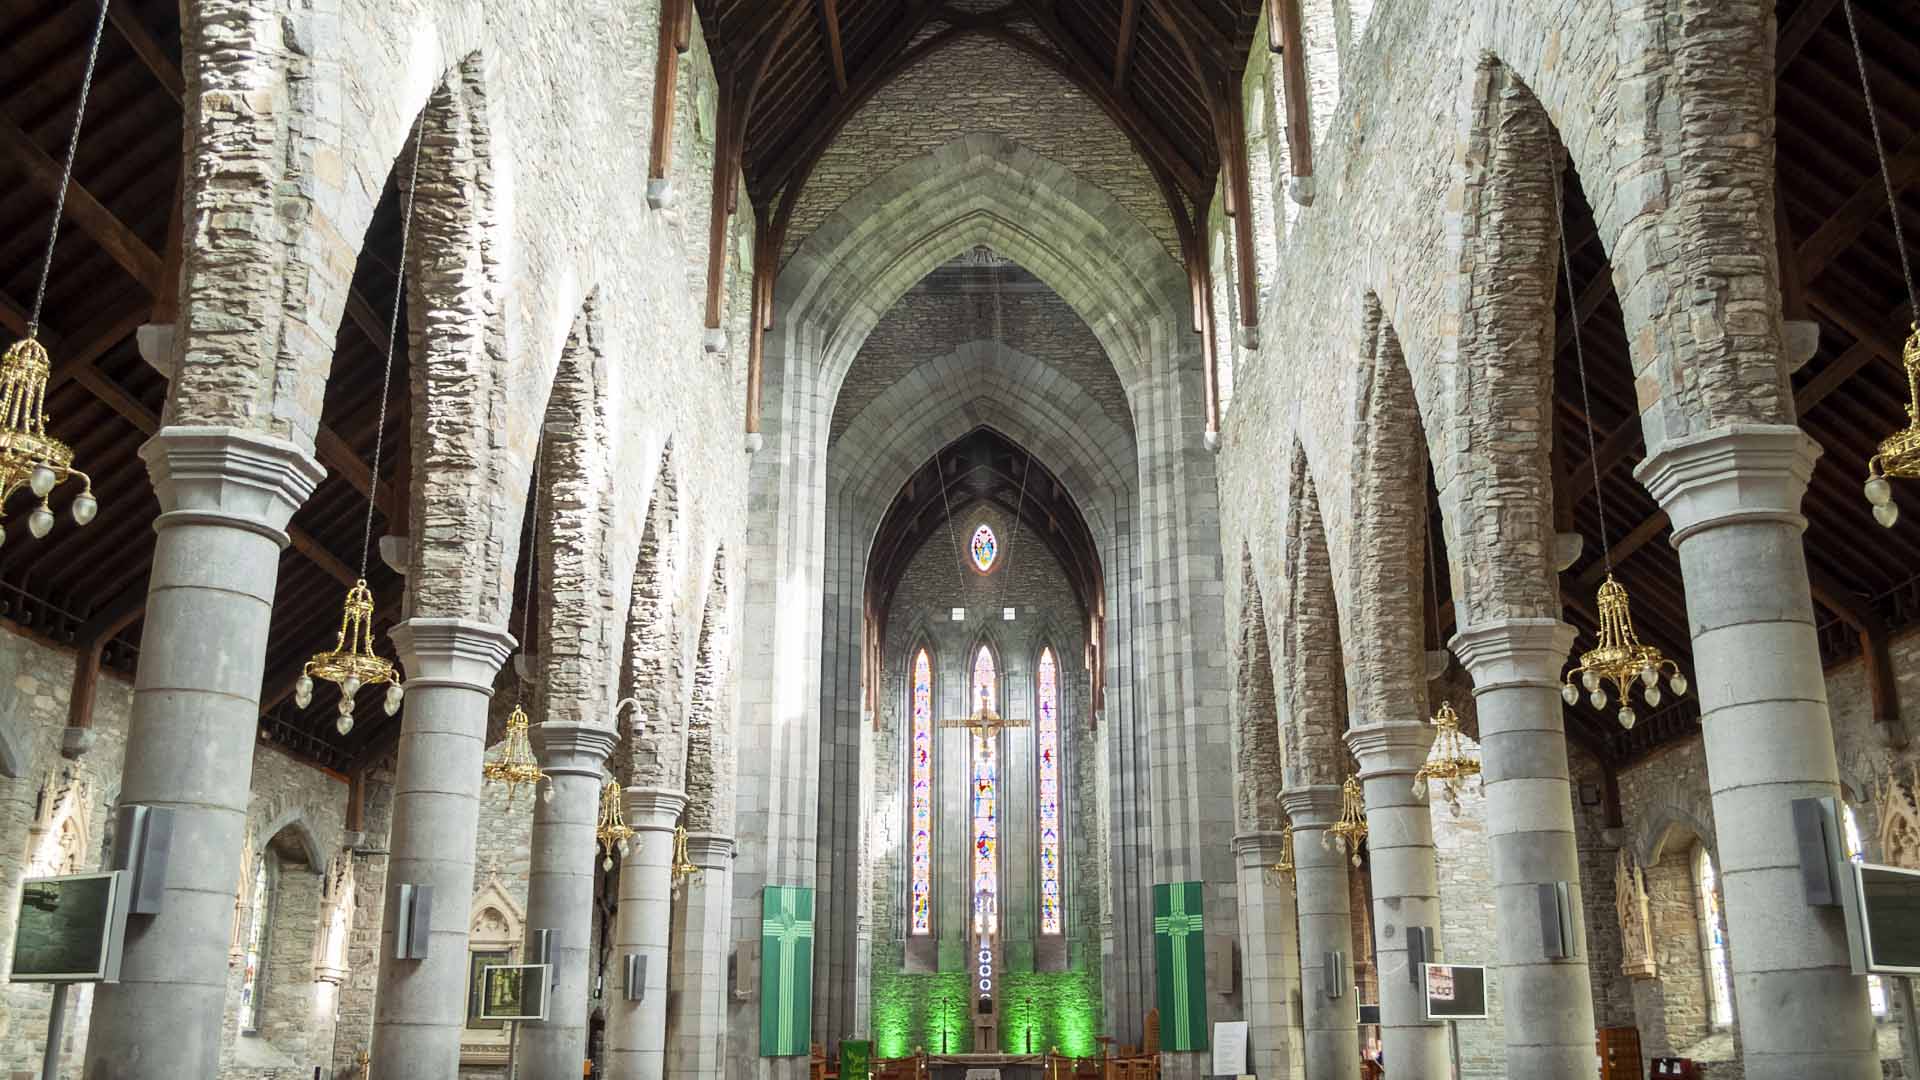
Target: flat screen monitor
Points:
(1455, 991)
(70, 928)
(514, 991)
(1889, 900)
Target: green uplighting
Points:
(1061, 1010)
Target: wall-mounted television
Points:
(1455, 991)
(1887, 900)
(70, 928)
(514, 991)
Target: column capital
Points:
(1514, 652)
(229, 476)
(1733, 474)
(572, 749)
(652, 809)
(459, 653)
(1259, 849)
(1313, 806)
(1399, 746)
(709, 851)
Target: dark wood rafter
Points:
(836, 51)
(127, 22)
(676, 22)
(1858, 613)
(764, 262)
(1286, 36)
(91, 639)
(1233, 152)
(1865, 207)
(1123, 44)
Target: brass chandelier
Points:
(1351, 830)
(515, 764)
(1619, 658)
(683, 869)
(29, 457)
(1898, 455)
(351, 664)
(1449, 762)
(1281, 872)
(613, 832)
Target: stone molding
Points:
(1391, 749)
(653, 809)
(459, 653)
(229, 476)
(1258, 850)
(1737, 474)
(1508, 653)
(709, 851)
(565, 748)
(1311, 807)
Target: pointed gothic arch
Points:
(653, 674)
(1259, 760)
(1316, 689)
(710, 760)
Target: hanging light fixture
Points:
(515, 764)
(29, 457)
(351, 664)
(683, 868)
(1450, 761)
(1351, 830)
(613, 832)
(1281, 872)
(1898, 455)
(1619, 658)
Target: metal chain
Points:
(959, 560)
(1880, 152)
(66, 174)
(393, 332)
(1580, 361)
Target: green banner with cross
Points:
(786, 971)
(1180, 965)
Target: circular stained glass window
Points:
(985, 549)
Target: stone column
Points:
(225, 497)
(1332, 1035)
(1406, 887)
(697, 980)
(560, 890)
(1270, 957)
(1516, 666)
(637, 1030)
(421, 1005)
(1734, 496)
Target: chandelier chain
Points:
(393, 331)
(946, 505)
(66, 173)
(1580, 363)
(1880, 152)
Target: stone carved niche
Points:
(1896, 802)
(496, 925)
(1636, 922)
(243, 902)
(61, 834)
(338, 905)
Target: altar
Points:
(986, 1066)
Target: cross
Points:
(787, 928)
(1178, 924)
(985, 722)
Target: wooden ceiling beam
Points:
(666, 84)
(1867, 202)
(93, 217)
(830, 14)
(1123, 47)
(1798, 31)
(127, 21)
(1286, 29)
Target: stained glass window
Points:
(920, 807)
(986, 810)
(1857, 852)
(1047, 742)
(253, 977)
(1719, 975)
(985, 548)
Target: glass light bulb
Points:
(1628, 717)
(1653, 696)
(1420, 787)
(395, 694)
(1589, 680)
(547, 794)
(606, 863)
(42, 480)
(1569, 694)
(1887, 513)
(1649, 676)
(625, 847)
(3, 535)
(350, 687)
(303, 692)
(344, 724)
(40, 522)
(1598, 699)
(1878, 490)
(1679, 684)
(85, 506)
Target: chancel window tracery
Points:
(985, 548)
(1047, 749)
(920, 799)
(985, 801)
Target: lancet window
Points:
(1047, 750)
(920, 798)
(985, 775)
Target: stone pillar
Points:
(1332, 1036)
(1270, 957)
(1734, 496)
(225, 497)
(1406, 887)
(697, 979)
(560, 890)
(421, 1005)
(1516, 666)
(637, 1030)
